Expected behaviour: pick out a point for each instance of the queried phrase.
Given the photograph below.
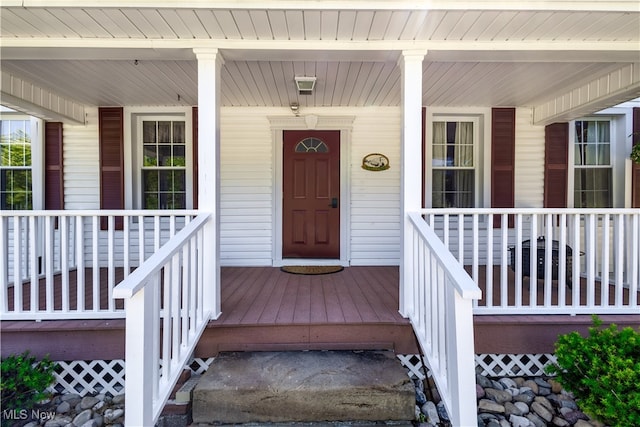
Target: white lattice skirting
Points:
(107, 376)
(101, 376)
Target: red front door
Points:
(311, 194)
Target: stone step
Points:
(303, 387)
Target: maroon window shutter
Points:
(111, 161)
(194, 130)
(556, 165)
(53, 169)
(635, 171)
(503, 154)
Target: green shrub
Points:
(603, 372)
(24, 381)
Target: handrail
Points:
(439, 306)
(165, 316)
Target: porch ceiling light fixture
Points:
(305, 84)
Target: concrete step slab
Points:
(308, 386)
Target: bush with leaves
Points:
(603, 372)
(24, 381)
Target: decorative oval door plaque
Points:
(375, 162)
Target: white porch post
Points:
(209, 65)
(411, 174)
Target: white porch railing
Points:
(439, 306)
(61, 259)
(587, 261)
(166, 314)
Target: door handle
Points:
(334, 202)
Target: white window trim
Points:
(133, 150)
(618, 126)
(481, 117)
(37, 154)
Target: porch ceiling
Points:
(111, 53)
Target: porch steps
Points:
(304, 387)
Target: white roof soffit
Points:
(609, 90)
(36, 101)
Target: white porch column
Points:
(411, 155)
(209, 67)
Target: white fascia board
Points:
(558, 5)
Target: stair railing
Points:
(439, 305)
(165, 317)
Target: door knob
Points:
(334, 202)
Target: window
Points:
(163, 166)
(454, 164)
(16, 163)
(311, 145)
(592, 185)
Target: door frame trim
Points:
(279, 124)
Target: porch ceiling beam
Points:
(611, 89)
(393, 45)
(24, 96)
(597, 5)
(182, 48)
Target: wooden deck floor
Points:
(268, 309)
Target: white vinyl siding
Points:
(375, 196)
(82, 163)
(529, 166)
(246, 193)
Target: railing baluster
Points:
(111, 269)
(185, 308)
(504, 283)
(64, 261)
(461, 238)
(17, 264)
(141, 240)
(518, 262)
(33, 255)
(533, 261)
(95, 236)
(606, 255)
(591, 260)
(562, 266)
(156, 233)
(548, 260)
(489, 262)
(126, 242)
(577, 286)
(175, 307)
(475, 245)
(48, 263)
(80, 282)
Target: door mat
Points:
(311, 269)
